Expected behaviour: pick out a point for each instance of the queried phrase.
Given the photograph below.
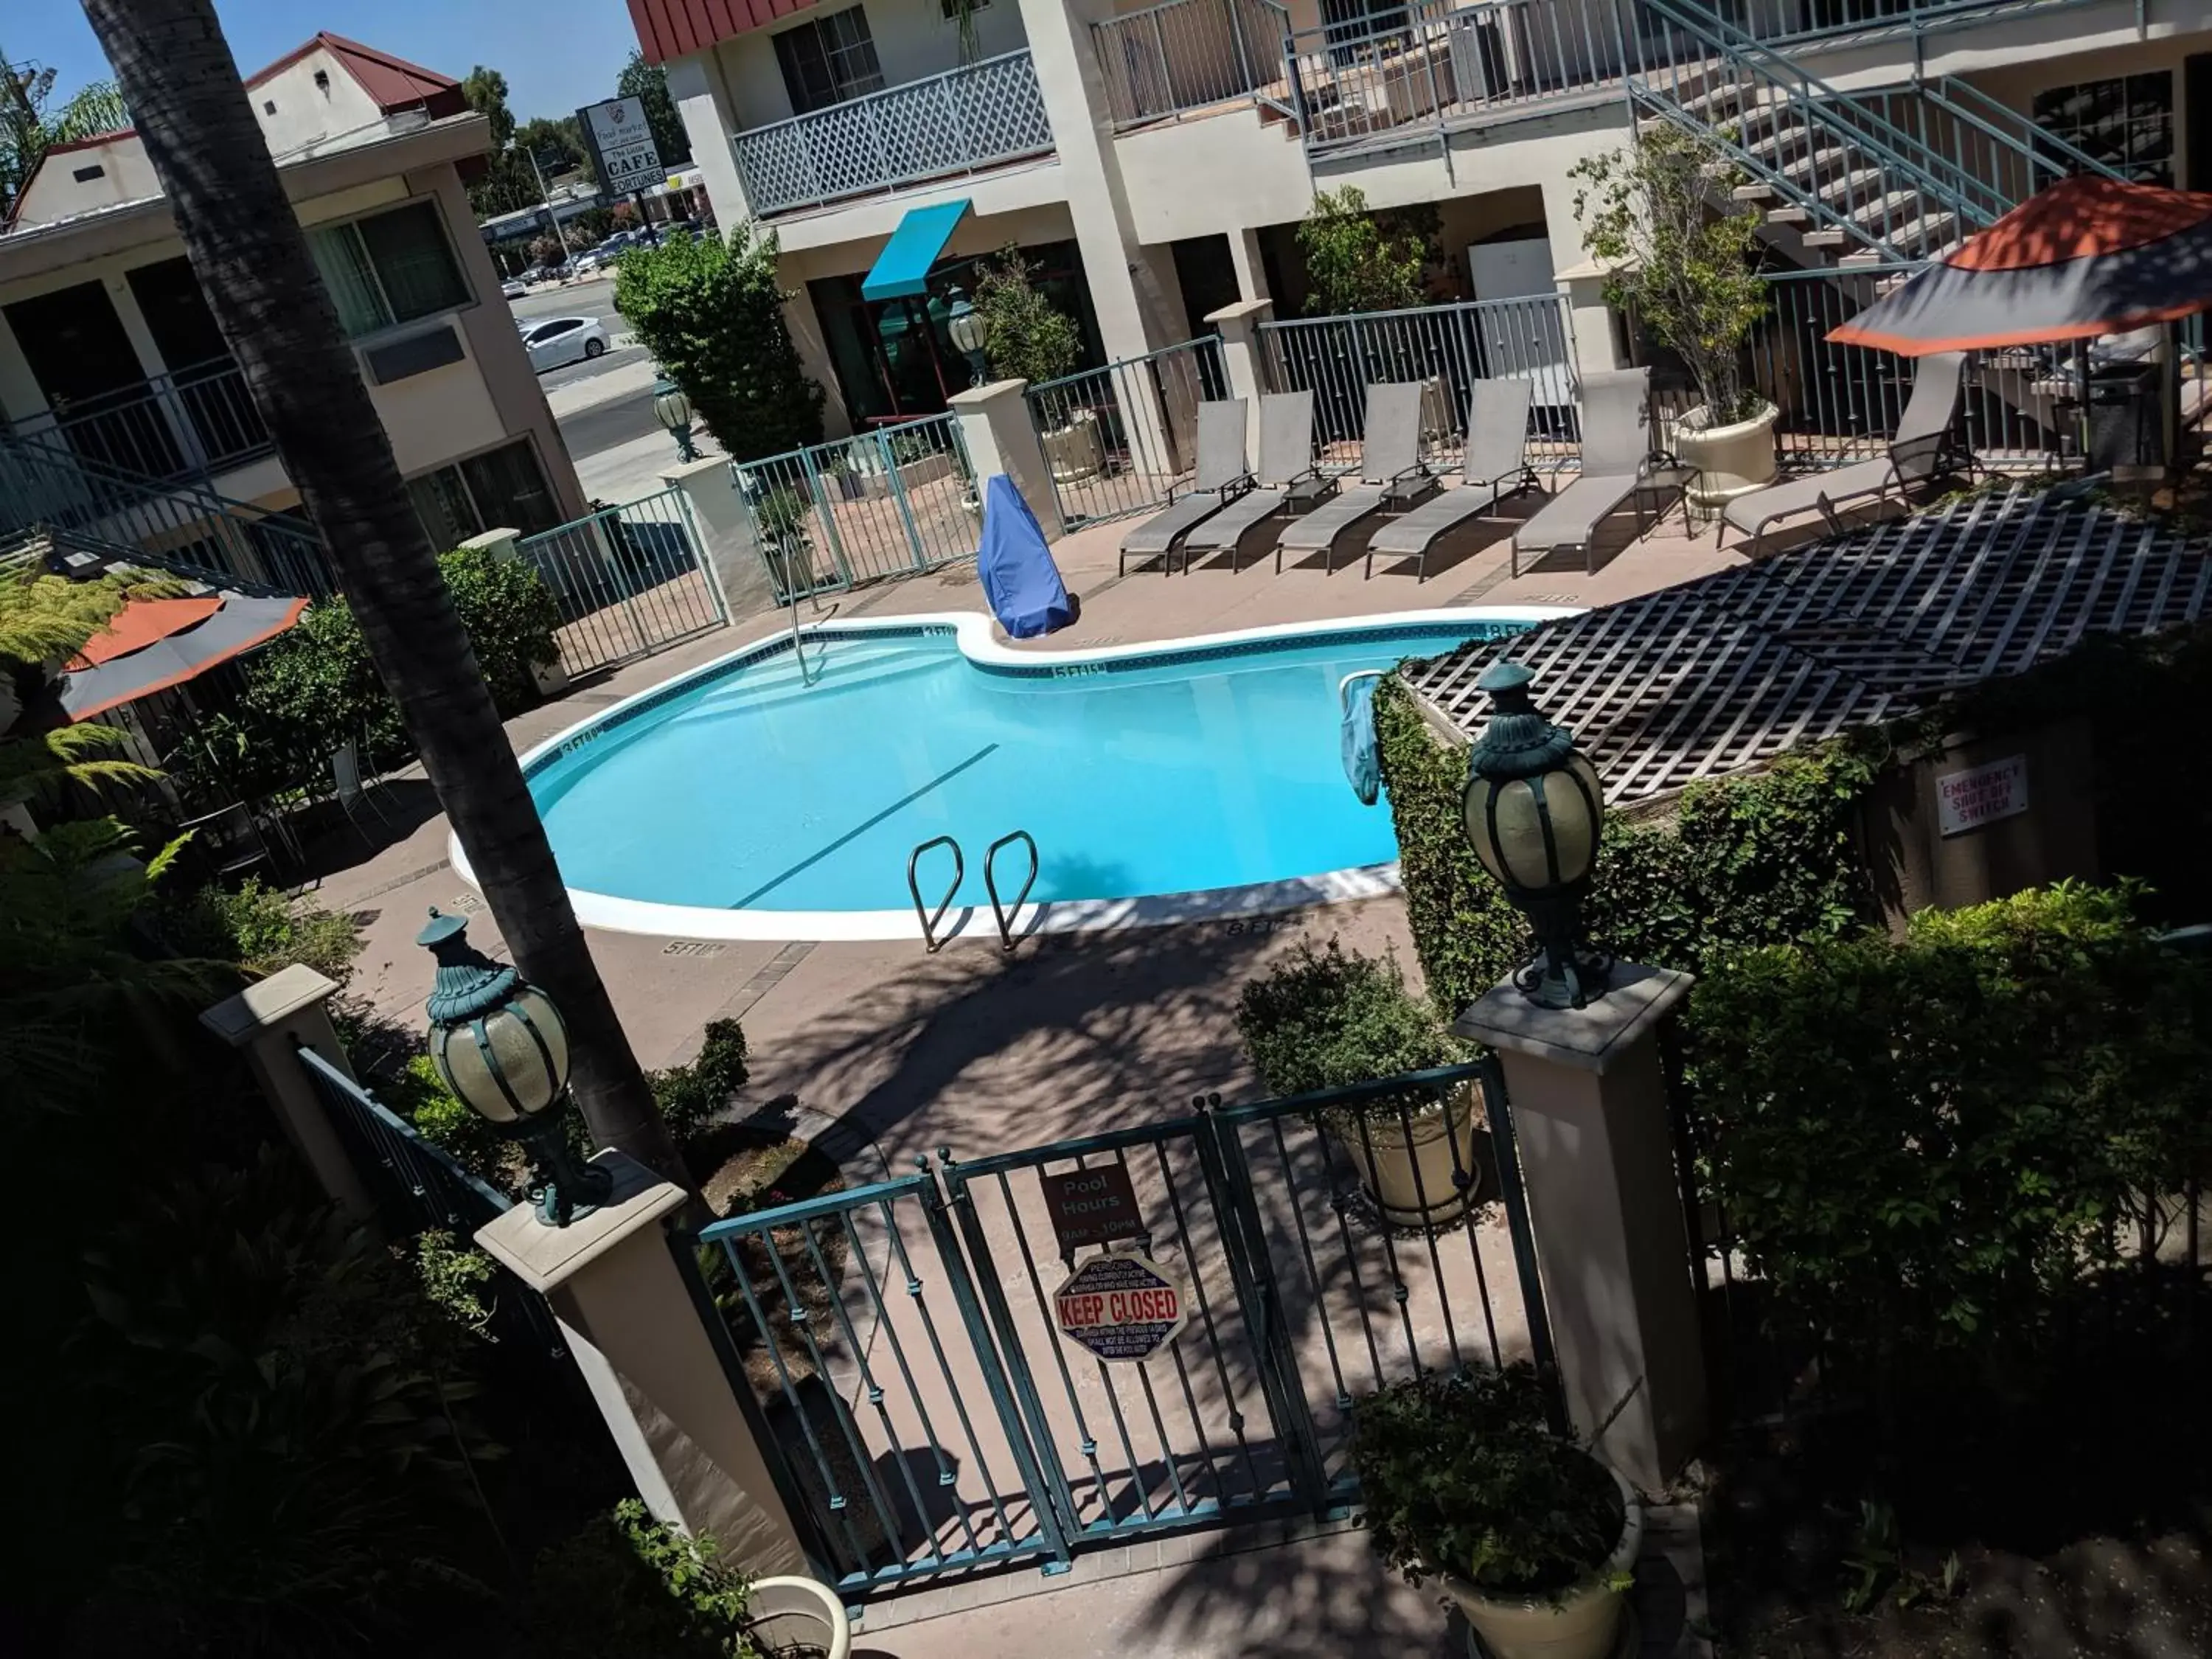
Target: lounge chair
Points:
(1922, 451)
(1390, 471)
(1223, 475)
(1616, 446)
(1496, 466)
(1289, 481)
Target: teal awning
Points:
(903, 268)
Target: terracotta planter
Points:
(798, 1619)
(1583, 1624)
(1409, 1176)
(1732, 460)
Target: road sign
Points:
(1091, 1207)
(1121, 1306)
(628, 163)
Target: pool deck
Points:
(892, 1053)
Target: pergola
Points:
(1726, 672)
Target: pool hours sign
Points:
(1122, 1305)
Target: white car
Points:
(514, 289)
(559, 340)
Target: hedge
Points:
(1761, 860)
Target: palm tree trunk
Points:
(250, 257)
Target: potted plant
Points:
(1329, 1018)
(1680, 256)
(796, 1618)
(781, 518)
(1462, 1481)
(1027, 338)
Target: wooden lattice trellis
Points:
(1723, 673)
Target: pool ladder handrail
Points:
(1003, 915)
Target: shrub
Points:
(262, 930)
(1326, 1018)
(1356, 260)
(627, 1587)
(453, 1276)
(510, 615)
(1924, 1146)
(711, 312)
(689, 1096)
(446, 1121)
(1025, 336)
(1459, 1474)
(1762, 860)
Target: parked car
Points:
(514, 289)
(559, 340)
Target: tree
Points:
(1025, 336)
(1362, 261)
(1658, 216)
(486, 91)
(711, 312)
(250, 258)
(557, 143)
(28, 129)
(648, 84)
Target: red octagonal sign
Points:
(1121, 1306)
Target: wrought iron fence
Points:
(193, 422)
(975, 116)
(184, 525)
(628, 579)
(890, 502)
(1443, 347)
(1192, 54)
(417, 1188)
(1119, 440)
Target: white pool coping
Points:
(973, 632)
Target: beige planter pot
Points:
(798, 1619)
(1583, 1624)
(1400, 1170)
(1073, 451)
(1731, 460)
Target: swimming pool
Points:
(752, 800)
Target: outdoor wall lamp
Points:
(1534, 811)
(674, 410)
(963, 325)
(499, 1043)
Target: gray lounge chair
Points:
(1390, 471)
(1922, 451)
(1616, 445)
(1289, 481)
(1496, 466)
(1222, 475)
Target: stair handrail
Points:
(1818, 101)
(1954, 96)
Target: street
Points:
(591, 427)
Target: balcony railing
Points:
(192, 423)
(976, 116)
(1189, 55)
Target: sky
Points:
(557, 54)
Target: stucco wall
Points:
(302, 110)
(125, 175)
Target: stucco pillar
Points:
(1250, 265)
(653, 1365)
(701, 96)
(1589, 1113)
(729, 545)
(1001, 437)
(269, 1022)
(1240, 357)
(501, 544)
(812, 345)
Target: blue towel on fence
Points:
(1015, 566)
(1361, 763)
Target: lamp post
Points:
(1534, 811)
(499, 1043)
(964, 326)
(674, 410)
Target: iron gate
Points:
(899, 1345)
(628, 579)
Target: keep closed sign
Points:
(1121, 1306)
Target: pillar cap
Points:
(1243, 310)
(1591, 1039)
(686, 469)
(544, 1257)
(976, 396)
(268, 1003)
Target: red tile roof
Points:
(673, 29)
(394, 82)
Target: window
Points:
(2126, 122)
(946, 7)
(502, 488)
(828, 60)
(555, 331)
(390, 268)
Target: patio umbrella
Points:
(2084, 258)
(151, 645)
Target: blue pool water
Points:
(1176, 773)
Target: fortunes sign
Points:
(1121, 1306)
(1983, 794)
(1091, 1207)
(627, 160)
